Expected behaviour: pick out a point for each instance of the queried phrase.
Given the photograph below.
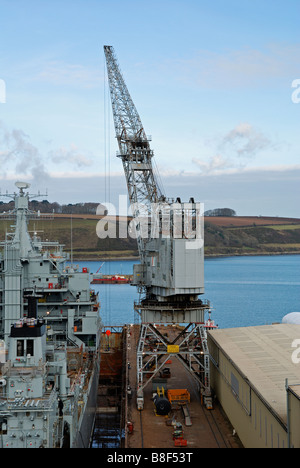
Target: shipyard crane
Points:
(170, 238)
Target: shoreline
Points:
(207, 256)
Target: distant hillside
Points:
(251, 236)
(223, 236)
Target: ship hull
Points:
(83, 438)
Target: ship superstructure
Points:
(50, 331)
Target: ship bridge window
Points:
(30, 347)
(20, 348)
(25, 347)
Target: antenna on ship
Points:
(71, 234)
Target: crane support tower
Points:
(170, 238)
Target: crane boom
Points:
(128, 124)
(134, 147)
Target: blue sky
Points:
(212, 82)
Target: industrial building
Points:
(255, 375)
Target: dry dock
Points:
(120, 425)
(144, 429)
(262, 398)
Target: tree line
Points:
(220, 212)
(45, 206)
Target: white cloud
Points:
(245, 140)
(70, 156)
(214, 165)
(235, 150)
(217, 166)
(19, 155)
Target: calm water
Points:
(243, 291)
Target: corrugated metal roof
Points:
(263, 354)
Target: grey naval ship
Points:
(50, 329)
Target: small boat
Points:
(111, 279)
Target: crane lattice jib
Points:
(134, 147)
(127, 121)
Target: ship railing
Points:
(9, 370)
(32, 215)
(203, 304)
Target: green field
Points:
(286, 227)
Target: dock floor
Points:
(209, 429)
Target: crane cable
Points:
(106, 110)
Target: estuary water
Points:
(243, 291)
